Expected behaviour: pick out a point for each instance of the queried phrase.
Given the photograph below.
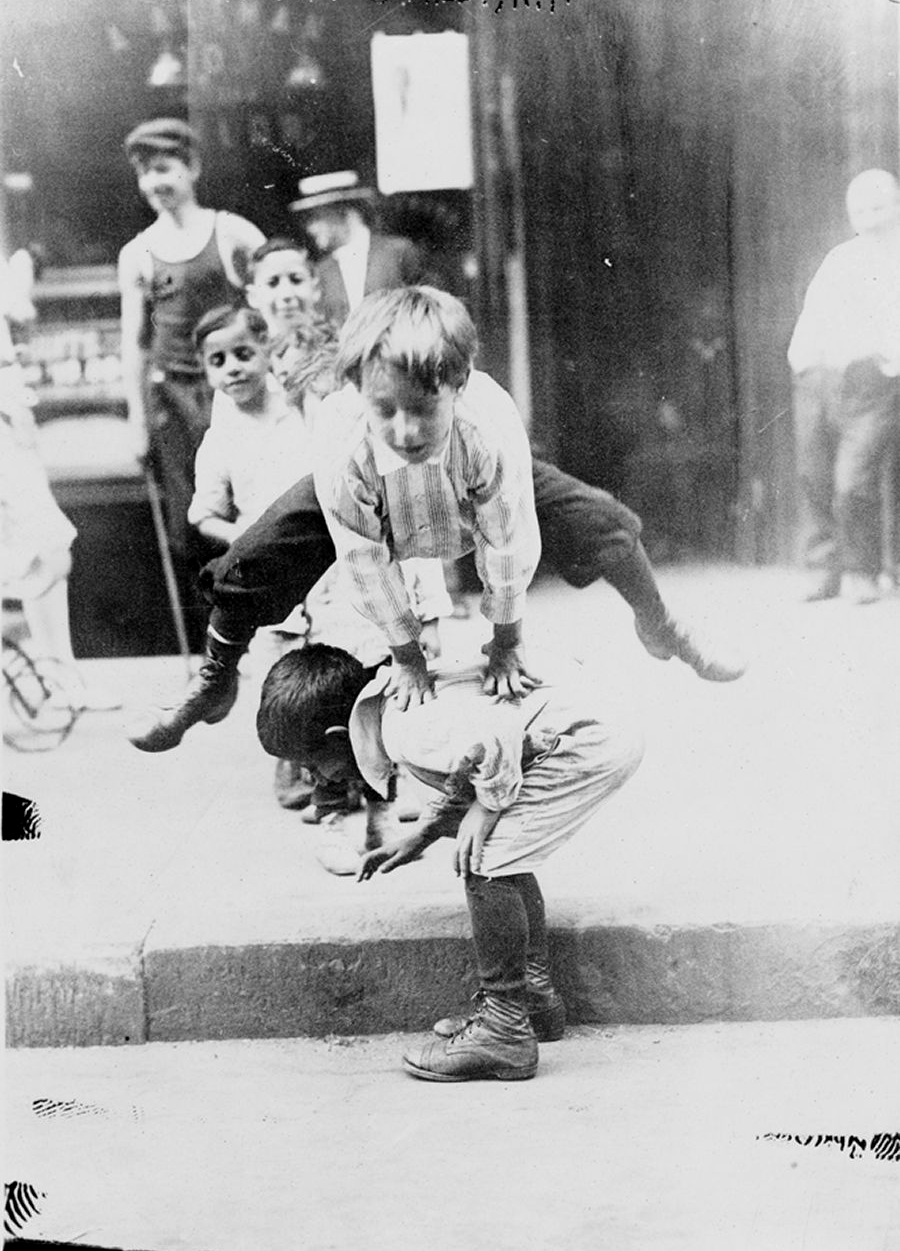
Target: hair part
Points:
(229, 315)
(426, 333)
(305, 693)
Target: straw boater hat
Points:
(322, 189)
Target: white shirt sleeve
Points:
(213, 495)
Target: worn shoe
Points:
(336, 851)
(669, 637)
(492, 1045)
(293, 785)
(350, 801)
(546, 1012)
(860, 588)
(822, 586)
(210, 696)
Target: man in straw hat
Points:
(336, 214)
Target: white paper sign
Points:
(423, 123)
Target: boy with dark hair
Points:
(516, 780)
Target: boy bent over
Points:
(516, 779)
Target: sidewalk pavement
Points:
(719, 1137)
(750, 869)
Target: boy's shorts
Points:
(560, 792)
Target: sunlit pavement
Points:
(717, 1137)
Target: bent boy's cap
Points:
(168, 135)
(321, 189)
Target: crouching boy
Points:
(516, 779)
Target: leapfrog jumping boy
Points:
(435, 464)
(516, 779)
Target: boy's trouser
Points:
(586, 534)
(180, 406)
(270, 568)
(560, 792)
(844, 422)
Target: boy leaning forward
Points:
(435, 464)
(515, 780)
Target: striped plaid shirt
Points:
(476, 495)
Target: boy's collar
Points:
(387, 461)
(371, 758)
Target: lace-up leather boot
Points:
(546, 1009)
(496, 1043)
(210, 696)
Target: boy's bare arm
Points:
(239, 239)
(472, 832)
(135, 354)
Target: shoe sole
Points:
(498, 1075)
(170, 742)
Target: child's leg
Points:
(588, 534)
(498, 1042)
(545, 1007)
(269, 569)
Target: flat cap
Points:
(162, 134)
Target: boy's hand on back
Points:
(410, 683)
(508, 676)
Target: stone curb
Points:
(606, 973)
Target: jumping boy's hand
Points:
(507, 670)
(392, 856)
(410, 683)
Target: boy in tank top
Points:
(189, 260)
